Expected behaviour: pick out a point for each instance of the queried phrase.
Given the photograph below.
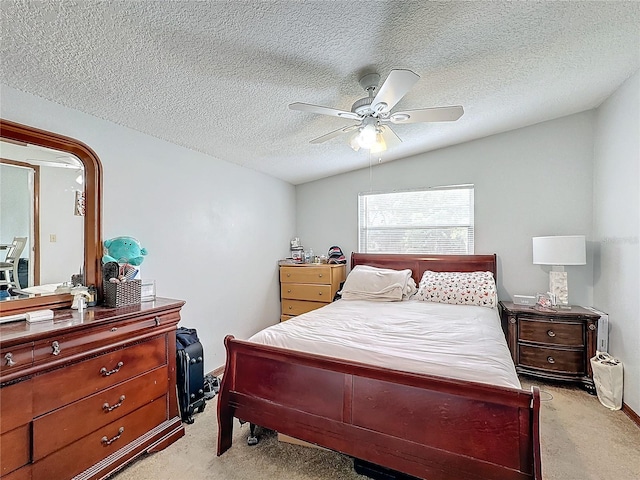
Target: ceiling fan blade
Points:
(389, 136)
(396, 86)
(334, 134)
(435, 114)
(306, 107)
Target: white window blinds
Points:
(437, 221)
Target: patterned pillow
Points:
(458, 288)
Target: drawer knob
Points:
(289, 291)
(55, 348)
(288, 274)
(107, 408)
(8, 358)
(114, 329)
(551, 333)
(106, 442)
(290, 307)
(550, 360)
(320, 293)
(320, 275)
(105, 373)
(157, 320)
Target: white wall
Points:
(617, 228)
(214, 230)
(528, 182)
(64, 257)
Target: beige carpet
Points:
(581, 440)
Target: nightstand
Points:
(552, 345)
(308, 286)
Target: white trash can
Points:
(608, 377)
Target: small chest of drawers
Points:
(553, 345)
(306, 287)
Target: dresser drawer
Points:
(68, 384)
(15, 405)
(557, 360)
(65, 345)
(298, 307)
(551, 333)
(23, 473)
(319, 274)
(312, 292)
(96, 411)
(14, 449)
(91, 449)
(17, 358)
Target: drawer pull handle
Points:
(106, 442)
(288, 274)
(105, 373)
(290, 307)
(550, 360)
(289, 291)
(551, 333)
(320, 293)
(107, 408)
(8, 358)
(157, 320)
(320, 275)
(55, 348)
(114, 329)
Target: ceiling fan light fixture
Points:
(380, 145)
(367, 137)
(353, 141)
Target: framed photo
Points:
(544, 300)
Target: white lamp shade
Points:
(560, 250)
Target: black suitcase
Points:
(190, 375)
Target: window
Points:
(437, 220)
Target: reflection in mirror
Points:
(41, 200)
(60, 219)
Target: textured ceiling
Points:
(217, 76)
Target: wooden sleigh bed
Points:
(427, 426)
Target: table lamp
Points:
(559, 251)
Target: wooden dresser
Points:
(82, 394)
(553, 345)
(308, 286)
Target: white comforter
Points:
(456, 341)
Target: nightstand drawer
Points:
(300, 291)
(298, 307)
(552, 333)
(319, 274)
(551, 359)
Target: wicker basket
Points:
(122, 294)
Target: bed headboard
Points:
(420, 263)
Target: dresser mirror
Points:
(51, 195)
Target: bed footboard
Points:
(427, 426)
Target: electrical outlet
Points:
(52, 238)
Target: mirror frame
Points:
(92, 219)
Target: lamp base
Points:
(558, 287)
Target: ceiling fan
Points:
(373, 113)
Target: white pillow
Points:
(379, 284)
(458, 288)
